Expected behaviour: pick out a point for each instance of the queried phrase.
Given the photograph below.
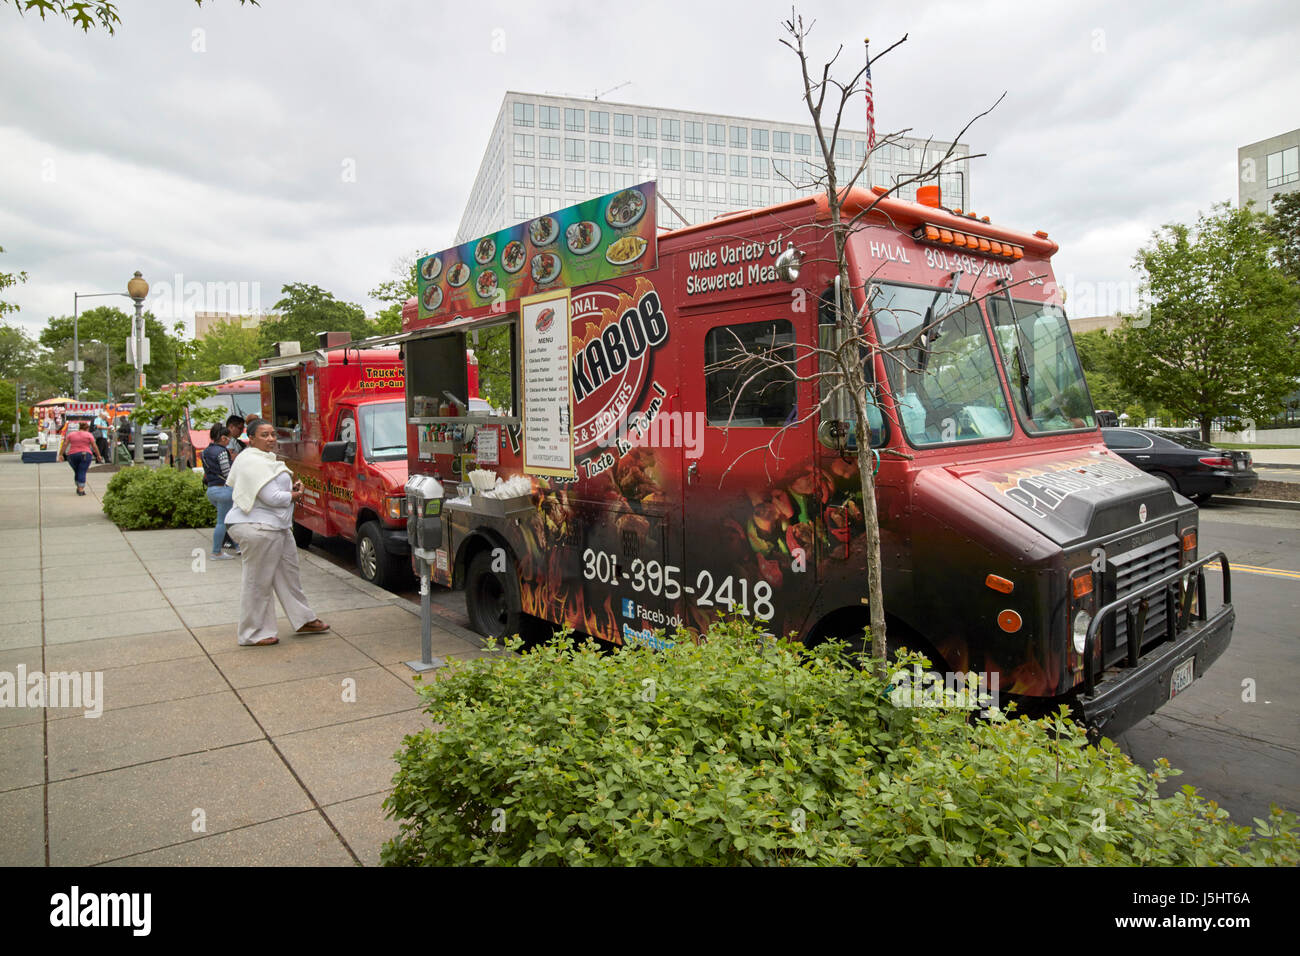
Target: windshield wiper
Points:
(1022, 349)
(926, 344)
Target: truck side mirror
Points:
(338, 451)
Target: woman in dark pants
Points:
(78, 449)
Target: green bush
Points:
(741, 750)
(141, 497)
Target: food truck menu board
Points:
(603, 238)
(547, 384)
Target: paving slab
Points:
(303, 839)
(149, 732)
(22, 612)
(28, 658)
(291, 706)
(350, 760)
(106, 652)
(58, 586)
(395, 646)
(376, 621)
(12, 591)
(137, 684)
(363, 824)
(30, 575)
(291, 659)
(141, 622)
(24, 634)
(123, 812)
(22, 756)
(101, 602)
(23, 813)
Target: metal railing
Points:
(1177, 606)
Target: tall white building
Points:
(548, 152)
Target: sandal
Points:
(264, 642)
(314, 627)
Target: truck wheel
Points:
(373, 560)
(301, 535)
(1167, 479)
(492, 597)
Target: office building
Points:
(1268, 168)
(547, 152)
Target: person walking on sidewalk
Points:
(77, 449)
(235, 428)
(263, 494)
(216, 466)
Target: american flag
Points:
(871, 102)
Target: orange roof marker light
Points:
(929, 232)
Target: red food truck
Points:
(341, 424)
(242, 398)
(668, 479)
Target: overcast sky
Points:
(212, 143)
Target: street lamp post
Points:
(138, 289)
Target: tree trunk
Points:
(1205, 429)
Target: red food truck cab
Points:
(672, 470)
(340, 423)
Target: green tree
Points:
(226, 343)
(8, 279)
(1098, 356)
(1284, 227)
(17, 351)
(306, 310)
(395, 291)
(166, 408)
(109, 324)
(1221, 341)
(84, 13)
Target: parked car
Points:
(1188, 465)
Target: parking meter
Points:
(424, 515)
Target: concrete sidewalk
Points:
(206, 752)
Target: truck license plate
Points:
(1182, 677)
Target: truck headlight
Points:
(395, 507)
(1080, 630)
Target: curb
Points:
(1262, 464)
(1256, 502)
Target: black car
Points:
(1187, 465)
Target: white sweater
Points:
(274, 505)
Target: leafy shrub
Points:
(742, 750)
(141, 497)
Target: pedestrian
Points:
(263, 494)
(77, 450)
(101, 434)
(216, 466)
(235, 427)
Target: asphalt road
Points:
(1243, 753)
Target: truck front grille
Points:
(1129, 572)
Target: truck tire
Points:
(301, 535)
(492, 597)
(374, 563)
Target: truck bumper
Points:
(396, 542)
(1125, 696)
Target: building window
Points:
(717, 191)
(781, 169)
(860, 149)
(647, 127)
(622, 124)
(694, 161)
(843, 148)
(623, 153)
(738, 193)
(1283, 167)
(782, 194)
(548, 117)
(523, 177)
(717, 164)
(760, 194)
(739, 137)
(672, 158)
(672, 187)
(599, 182)
(574, 151)
(647, 157)
(671, 130)
(548, 147)
(758, 166)
(523, 145)
(525, 207)
(780, 142)
(694, 132)
(599, 121)
(717, 134)
(803, 143)
(575, 120)
(740, 166)
(695, 189)
(523, 114)
(624, 180)
(758, 138)
(575, 181)
(549, 178)
(750, 392)
(599, 151)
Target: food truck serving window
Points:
(284, 400)
(940, 364)
(742, 387)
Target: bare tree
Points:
(839, 363)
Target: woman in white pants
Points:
(260, 521)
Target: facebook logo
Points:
(629, 608)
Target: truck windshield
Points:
(941, 367)
(383, 431)
(1042, 366)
